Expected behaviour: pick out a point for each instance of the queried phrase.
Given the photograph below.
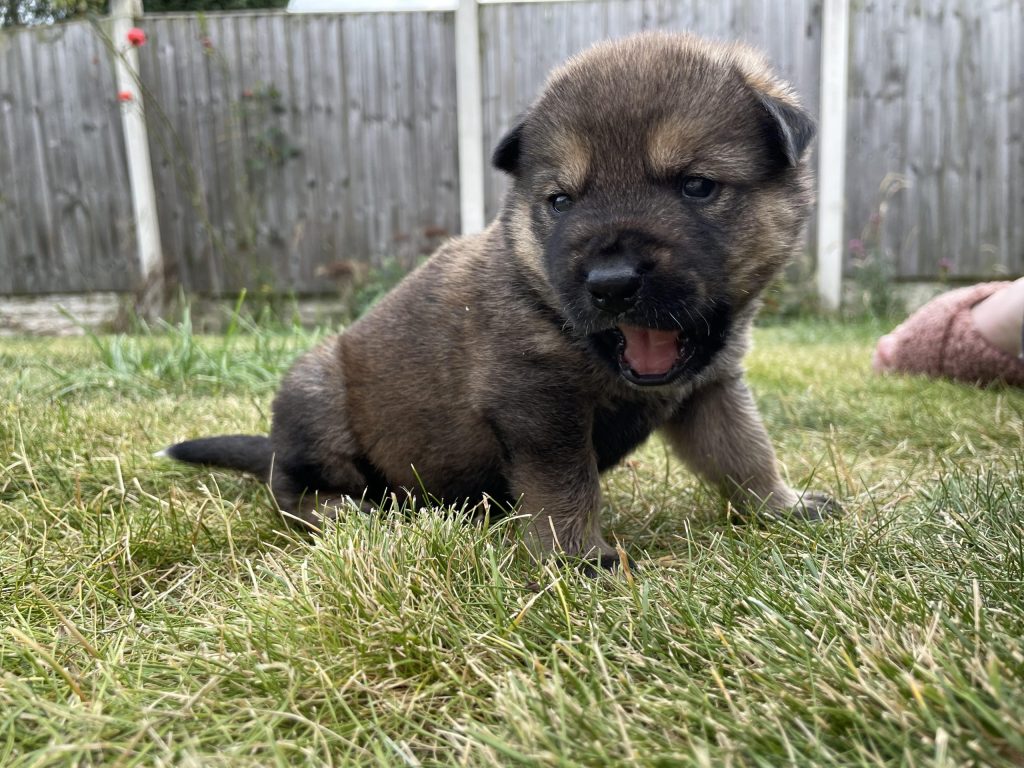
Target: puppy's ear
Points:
(506, 154)
(790, 127)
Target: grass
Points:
(155, 614)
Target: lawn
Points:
(155, 614)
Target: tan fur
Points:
(573, 162)
(666, 142)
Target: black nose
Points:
(613, 289)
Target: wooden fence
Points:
(284, 144)
(522, 43)
(293, 142)
(937, 98)
(65, 209)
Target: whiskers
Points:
(578, 320)
(696, 309)
(695, 319)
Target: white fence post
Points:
(470, 116)
(835, 56)
(140, 170)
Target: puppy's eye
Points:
(698, 187)
(560, 203)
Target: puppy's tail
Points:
(247, 453)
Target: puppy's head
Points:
(660, 182)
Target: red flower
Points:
(136, 37)
(206, 42)
(125, 96)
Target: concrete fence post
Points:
(150, 293)
(835, 60)
(470, 115)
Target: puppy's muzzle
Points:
(614, 289)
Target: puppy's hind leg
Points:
(308, 507)
(315, 470)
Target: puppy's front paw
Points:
(596, 563)
(812, 506)
(591, 567)
(815, 506)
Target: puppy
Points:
(659, 183)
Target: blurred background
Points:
(318, 154)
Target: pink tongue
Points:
(650, 352)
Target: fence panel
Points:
(936, 108)
(66, 220)
(287, 144)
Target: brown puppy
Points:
(660, 183)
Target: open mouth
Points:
(650, 356)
